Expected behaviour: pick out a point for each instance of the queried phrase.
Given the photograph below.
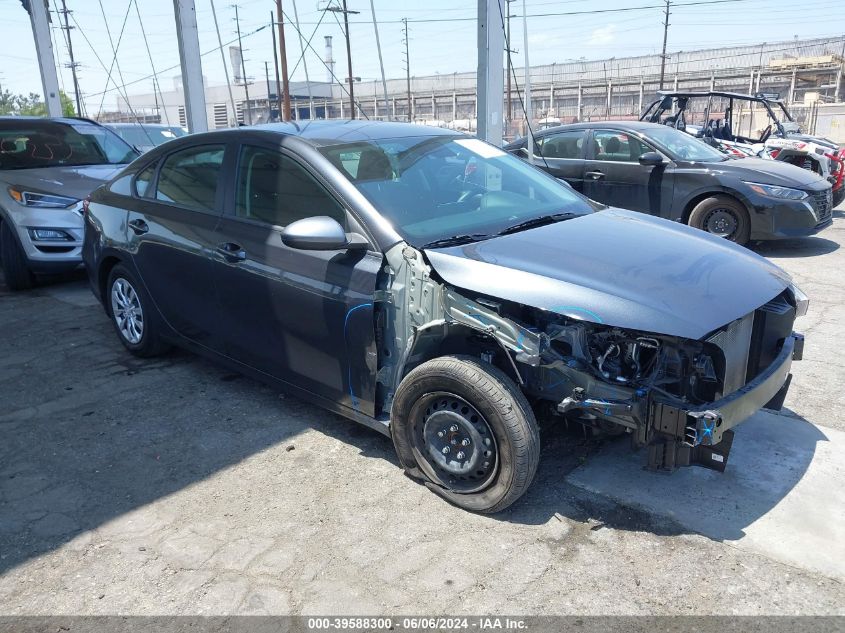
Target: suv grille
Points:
(823, 201)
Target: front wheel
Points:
(722, 216)
(466, 429)
(16, 270)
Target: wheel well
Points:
(703, 196)
(451, 339)
(103, 277)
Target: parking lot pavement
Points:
(173, 486)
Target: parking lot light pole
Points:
(46, 62)
(191, 63)
(490, 74)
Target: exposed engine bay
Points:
(659, 389)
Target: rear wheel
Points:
(467, 430)
(133, 314)
(722, 216)
(15, 266)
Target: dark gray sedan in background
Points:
(443, 292)
(658, 170)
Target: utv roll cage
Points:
(671, 108)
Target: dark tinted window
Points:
(561, 145)
(616, 146)
(274, 188)
(27, 144)
(143, 180)
(189, 177)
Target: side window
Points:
(618, 146)
(143, 180)
(275, 189)
(561, 145)
(189, 177)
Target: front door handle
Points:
(595, 175)
(139, 227)
(231, 252)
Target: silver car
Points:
(47, 168)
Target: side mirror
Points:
(651, 159)
(320, 233)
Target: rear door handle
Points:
(139, 227)
(231, 252)
(595, 175)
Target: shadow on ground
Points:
(90, 433)
(796, 247)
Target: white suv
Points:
(47, 168)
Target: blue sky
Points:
(443, 38)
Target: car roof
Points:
(150, 125)
(637, 126)
(338, 132)
(67, 120)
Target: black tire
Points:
(711, 214)
(16, 270)
(501, 466)
(838, 196)
(135, 302)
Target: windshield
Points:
(148, 136)
(683, 146)
(33, 143)
(432, 188)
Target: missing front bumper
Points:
(702, 435)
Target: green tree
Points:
(31, 104)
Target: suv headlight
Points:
(773, 191)
(41, 200)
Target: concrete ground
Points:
(173, 486)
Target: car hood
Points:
(768, 172)
(76, 182)
(618, 268)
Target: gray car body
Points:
(343, 328)
(72, 181)
(673, 190)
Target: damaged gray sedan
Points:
(436, 289)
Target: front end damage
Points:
(678, 398)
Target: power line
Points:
(156, 82)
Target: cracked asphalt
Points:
(173, 486)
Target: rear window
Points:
(33, 143)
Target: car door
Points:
(301, 316)
(172, 233)
(562, 155)
(614, 176)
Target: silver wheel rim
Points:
(126, 308)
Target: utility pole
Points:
(73, 64)
(508, 51)
(407, 68)
(350, 78)
(380, 61)
(665, 39)
(285, 114)
(279, 97)
(267, 79)
(243, 65)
